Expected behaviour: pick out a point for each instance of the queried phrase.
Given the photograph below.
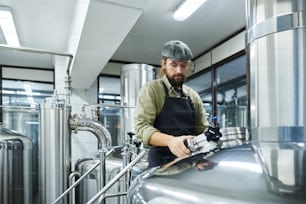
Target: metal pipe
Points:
(111, 195)
(82, 177)
(126, 158)
(5, 177)
(85, 124)
(117, 177)
(72, 195)
(102, 169)
(27, 166)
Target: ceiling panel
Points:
(50, 25)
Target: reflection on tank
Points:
(230, 175)
(284, 167)
(233, 115)
(179, 165)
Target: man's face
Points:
(176, 71)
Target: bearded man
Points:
(167, 111)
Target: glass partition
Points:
(109, 90)
(20, 111)
(110, 111)
(231, 86)
(202, 85)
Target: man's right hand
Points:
(177, 146)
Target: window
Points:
(232, 93)
(109, 99)
(109, 90)
(228, 107)
(202, 85)
(22, 90)
(24, 93)
(20, 100)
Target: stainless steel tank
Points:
(25, 120)
(231, 175)
(90, 185)
(276, 42)
(54, 149)
(133, 77)
(16, 174)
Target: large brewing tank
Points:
(276, 46)
(133, 77)
(54, 149)
(231, 174)
(15, 168)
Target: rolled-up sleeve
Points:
(145, 114)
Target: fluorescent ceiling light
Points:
(8, 26)
(185, 9)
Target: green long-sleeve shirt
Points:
(149, 104)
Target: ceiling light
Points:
(185, 9)
(8, 26)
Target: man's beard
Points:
(176, 80)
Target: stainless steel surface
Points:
(90, 186)
(117, 177)
(24, 120)
(95, 127)
(21, 119)
(16, 176)
(72, 175)
(232, 136)
(275, 16)
(284, 166)
(133, 77)
(54, 149)
(277, 53)
(277, 63)
(116, 193)
(103, 136)
(231, 175)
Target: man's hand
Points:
(177, 146)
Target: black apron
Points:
(176, 118)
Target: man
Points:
(167, 111)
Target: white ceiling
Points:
(98, 31)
